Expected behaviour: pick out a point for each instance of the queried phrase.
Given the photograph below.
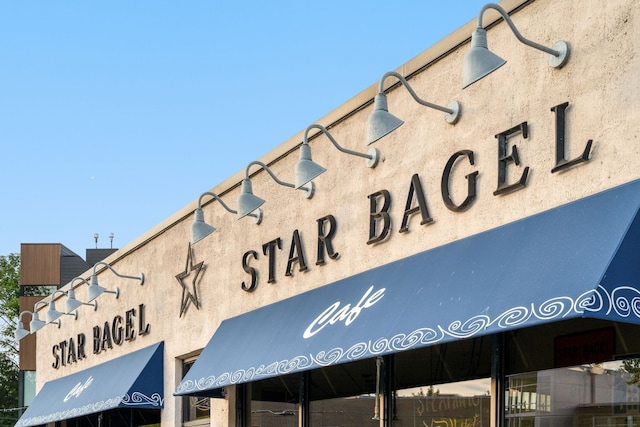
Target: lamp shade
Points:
(199, 228)
(52, 313)
(36, 324)
(20, 332)
(306, 169)
(247, 202)
(381, 122)
(94, 290)
(479, 61)
(72, 303)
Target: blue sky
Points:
(115, 115)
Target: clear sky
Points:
(116, 114)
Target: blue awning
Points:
(131, 381)
(577, 260)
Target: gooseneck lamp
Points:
(248, 202)
(72, 303)
(37, 324)
(480, 61)
(306, 169)
(20, 331)
(381, 122)
(200, 229)
(52, 313)
(95, 290)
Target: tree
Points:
(431, 391)
(632, 366)
(9, 311)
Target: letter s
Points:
(56, 356)
(252, 271)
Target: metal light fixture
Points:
(307, 169)
(52, 313)
(200, 229)
(72, 303)
(248, 202)
(37, 324)
(479, 61)
(381, 122)
(95, 290)
(21, 332)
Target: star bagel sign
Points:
(512, 177)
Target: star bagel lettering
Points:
(115, 332)
(416, 202)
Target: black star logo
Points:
(190, 296)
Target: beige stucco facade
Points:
(600, 83)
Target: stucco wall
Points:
(599, 82)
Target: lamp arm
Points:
(334, 142)
(519, 36)
(215, 196)
(141, 278)
(55, 292)
(413, 94)
(24, 312)
(224, 205)
(265, 167)
(77, 278)
(35, 306)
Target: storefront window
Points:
(274, 402)
(578, 373)
(345, 395)
(575, 373)
(194, 408)
(445, 385)
(458, 404)
(589, 395)
(273, 414)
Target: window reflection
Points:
(457, 404)
(596, 394)
(194, 408)
(274, 414)
(563, 374)
(274, 402)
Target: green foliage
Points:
(9, 311)
(632, 366)
(8, 391)
(431, 391)
(9, 301)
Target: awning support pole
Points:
(389, 390)
(243, 405)
(376, 405)
(497, 380)
(304, 414)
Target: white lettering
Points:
(347, 314)
(78, 388)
